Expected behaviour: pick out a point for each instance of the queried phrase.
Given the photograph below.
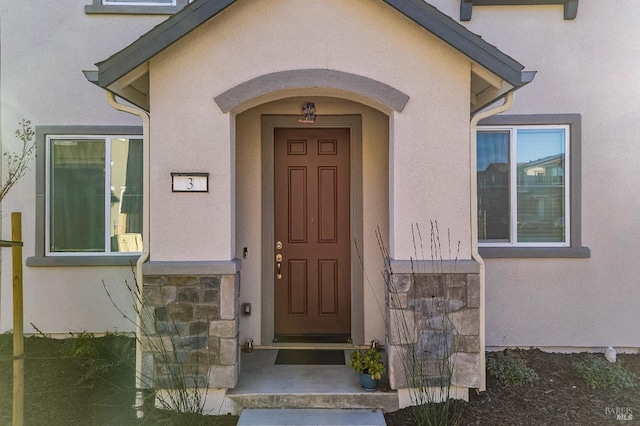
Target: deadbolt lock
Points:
(279, 245)
(279, 266)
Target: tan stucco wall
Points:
(587, 66)
(190, 133)
(44, 48)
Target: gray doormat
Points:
(310, 357)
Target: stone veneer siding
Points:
(433, 313)
(191, 327)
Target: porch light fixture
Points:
(309, 113)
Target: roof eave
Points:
(158, 39)
(114, 74)
(460, 38)
(127, 93)
(527, 77)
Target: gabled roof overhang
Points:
(493, 73)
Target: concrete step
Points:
(385, 401)
(310, 417)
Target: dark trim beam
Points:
(466, 6)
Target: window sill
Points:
(466, 6)
(535, 252)
(116, 9)
(107, 260)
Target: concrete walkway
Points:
(264, 385)
(310, 417)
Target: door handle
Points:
(279, 266)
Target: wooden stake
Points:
(18, 325)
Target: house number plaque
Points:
(190, 182)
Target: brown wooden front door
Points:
(312, 264)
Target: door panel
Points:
(297, 205)
(312, 287)
(327, 191)
(328, 280)
(297, 300)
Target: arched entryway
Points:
(255, 208)
(261, 107)
(312, 223)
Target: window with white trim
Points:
(523, 186)
(93, 194)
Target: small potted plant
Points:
(370, 366)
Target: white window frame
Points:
(107, 195)
(137, 3)
(513, 186)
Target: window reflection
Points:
(525, 197)
(83, 211)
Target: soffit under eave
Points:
(487, 87)
(133, 87)
(486, 97)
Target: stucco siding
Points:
(44, 50)
(586, 66)
(403, 56)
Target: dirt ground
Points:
(86, 384)
(69, 390)
(560, 397)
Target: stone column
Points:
(433, 324)
(190, 326)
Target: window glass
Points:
(126, 194)
(522, 193)
(94, 208)
(493, 186)
(77, 195)
(541, 187)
